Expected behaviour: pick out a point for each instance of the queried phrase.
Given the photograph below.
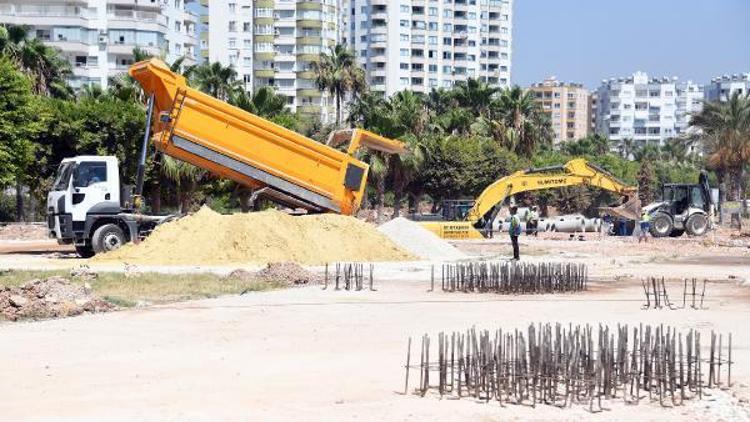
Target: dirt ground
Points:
(313, 354)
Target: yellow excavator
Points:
(466, 219)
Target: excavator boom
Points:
(230, 142)
(577, 172)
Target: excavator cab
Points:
(456, 209)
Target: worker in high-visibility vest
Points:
(645, 226)
(514, 231)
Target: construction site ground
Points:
(312, 354)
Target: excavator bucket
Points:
(630, 209)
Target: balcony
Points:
(309, 109)
(309, 92)
(264, 73)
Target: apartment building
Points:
(98, 36)
(567, 104)
(273, 43)
(723, 87)
(425, 44)
(647, 110)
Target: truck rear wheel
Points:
(107, 238)
(85, 251)
(696, 225)
(661, 225)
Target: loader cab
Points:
(682, 197)
(83, 186)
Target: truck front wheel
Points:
(107, 238)
(85, 251)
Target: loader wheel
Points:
(661, 225)
(107, 238)
(85, 251)
(696, 225)
(676, 233)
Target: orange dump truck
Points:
(91, 208)
(278, 163)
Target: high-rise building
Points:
(723, 87)
(567, 104)
(425, 44)
(273, 43)
(593, 107)
(646, 110)
(98, 36)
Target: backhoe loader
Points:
(466, 219)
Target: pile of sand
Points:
(207, 237)
(419, 241)
(52, 297)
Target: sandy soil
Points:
(309, 354)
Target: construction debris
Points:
(52, 297)
(287, 273)
(512, 277)
(560, 366)
(23, 231)
(207, 237)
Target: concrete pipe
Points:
(570, 224)
(593, 224)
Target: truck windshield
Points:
(63, 176)
(89, 172)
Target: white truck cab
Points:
(89, 208)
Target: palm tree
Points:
(215, 79)
(339, 74)
(46, 65)
(264, 103)
(724, 129)
(475, 95)
(517, 110)
(185, 177)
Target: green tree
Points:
(264, 102)
(522, 126)
(647, 182)
(475, 95)
(590, 145)
(724, 131)
(215, 79)
(46, 65)
(339, 73)
(19, 123)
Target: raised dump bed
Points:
(232, 143)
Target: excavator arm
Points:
(577, 172)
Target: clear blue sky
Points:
(586, 41)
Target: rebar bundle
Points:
(559, 365)
(350, 276)
(655, 290)
(512, 277)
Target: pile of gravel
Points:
(419, 241)
(53, 297)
